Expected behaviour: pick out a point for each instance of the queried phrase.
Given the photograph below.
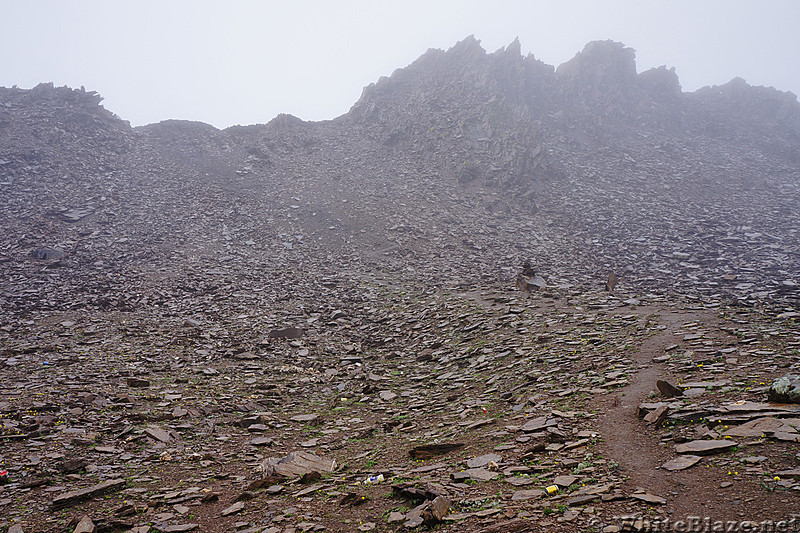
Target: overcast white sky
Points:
(243, 62)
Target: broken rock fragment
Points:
(296, 464)
(85, 526)
(286, 333)
(76, 496)
(667, 389)
(47, 254)
(432, 450)
(681, 462)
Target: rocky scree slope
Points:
(455, 169)
(180, 303)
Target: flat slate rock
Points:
(235, 508)
(705, 447)
(177, 528)
(785, 436)
(795, 473)
(432, 450)
(483, 460)
(158, 434)
(475, 474)
(521, 481)
(582, 499)
(537, 424)
(262, 441)
(286, 333)
(296, 464)
(311, 417)
(76, 496)
(681, 462)
(756, 428)
(387, 395)
(564, 481)
(522, 495)
(649, 498)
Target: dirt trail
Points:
(640, 452)
(635, 450)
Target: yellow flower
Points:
(776, 478)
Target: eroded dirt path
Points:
(640, 449)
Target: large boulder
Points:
(785, 389)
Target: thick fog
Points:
(244, 62)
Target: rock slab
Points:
(76, 496)
(705, 447)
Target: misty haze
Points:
(496, 295)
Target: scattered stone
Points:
(429, 451)
(47, 254)
(286, 333)
(137, 382)
(538, 424)
(649, 498)
(387, 395)
(235, 508)
(564, 481)
(682, 462)
(177, 528)
(311, 418)
(475, 474)
(582, 499)
(483, 460)
(657, 417)
(668, 390)
(71, 466)
(436, 510)
(158, 434)
(522, 495)
(85, 526)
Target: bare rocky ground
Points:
(188, 313)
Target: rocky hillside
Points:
(458, 167)
(183, 306)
